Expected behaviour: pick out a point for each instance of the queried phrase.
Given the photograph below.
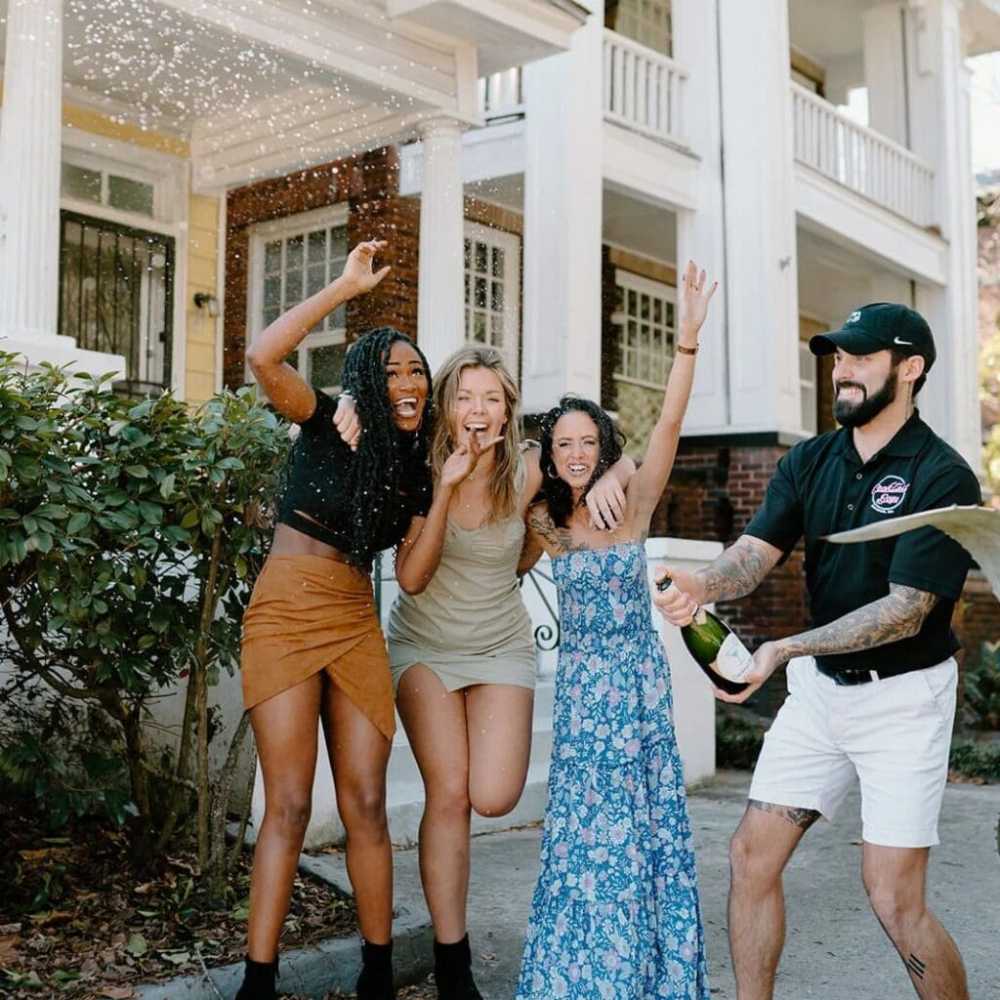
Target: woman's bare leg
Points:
(438, 732)
(285, 728)
(359, 755)
(499, 720)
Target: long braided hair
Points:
(611, 441)
(387, 464)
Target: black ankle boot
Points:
(258, 981)
(453, 971)
(375, 981)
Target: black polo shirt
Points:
(821, 486)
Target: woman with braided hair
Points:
(312, 646)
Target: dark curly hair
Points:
(388, 463)
(611, 441)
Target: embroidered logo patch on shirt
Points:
(888, 494)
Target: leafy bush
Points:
(738, 739)
(978, 761)
(982, 690)
(130, 536)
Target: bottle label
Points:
(734, 661)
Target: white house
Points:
(173, 173)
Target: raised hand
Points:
(694, 303)
(463, 459)
(358, 274)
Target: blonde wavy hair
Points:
(507, 480)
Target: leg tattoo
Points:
(802, 818)
(916, 967)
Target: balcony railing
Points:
(643, 89)
(500, 94)
(861, 159)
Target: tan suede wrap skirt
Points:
(313, 613)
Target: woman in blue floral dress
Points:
(615, 913)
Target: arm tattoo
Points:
(555, 539)
(802, 818)
(737, 572)
(898, 615)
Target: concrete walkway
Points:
(835, 948)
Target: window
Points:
(115, 296)
(646, 321)
(492, 292)
(645, 21)
(807, 387)
(92, 183)
(292, 260)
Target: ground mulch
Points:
(77, 920)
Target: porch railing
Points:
(861, 159)
(643, 89)
(500, 94)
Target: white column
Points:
(761, 265)
(939, 115)
(562, 222)
(440, 313)
(30, 168)
(30, 149)
(885, 70)
(700, 232)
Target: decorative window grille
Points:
(116, 296)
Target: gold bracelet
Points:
(681, 349)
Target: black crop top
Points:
(312, 486)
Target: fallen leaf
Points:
(51, 917)
(117, 992)
(137, 946)
(8, 949)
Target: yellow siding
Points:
(97, 124)
(202, 262)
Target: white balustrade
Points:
(861, 159)
(643, 89)
(500, 94)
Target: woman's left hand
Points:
(358, 275)
(346, 421)
(606, 503)
(694, 301)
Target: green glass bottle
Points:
(716, 648)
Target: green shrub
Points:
(981, 708)
(130, 536)
(978, 761)
(738, 740)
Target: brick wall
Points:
(369, 183)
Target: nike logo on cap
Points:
(902, 343)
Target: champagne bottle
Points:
(716, 648)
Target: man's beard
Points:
(849, 414)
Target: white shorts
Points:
(895, 734)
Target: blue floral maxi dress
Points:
(615, 913)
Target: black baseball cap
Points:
(880, 326)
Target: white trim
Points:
(510, 243)
(629, 281)
(284, 228)
(220, 290)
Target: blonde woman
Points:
(460, 640)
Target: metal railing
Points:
(116, 296)
(643, 89)
(861, 159)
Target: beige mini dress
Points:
(470, 625)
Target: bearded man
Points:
(871, 687)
